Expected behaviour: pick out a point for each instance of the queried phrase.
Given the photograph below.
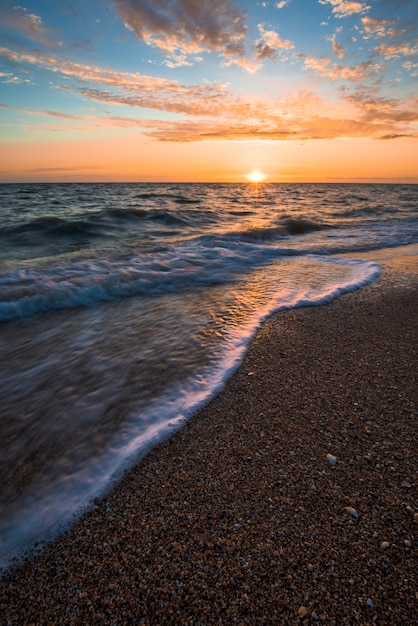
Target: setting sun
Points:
(256, 176)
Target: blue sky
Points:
(221, 70)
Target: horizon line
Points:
(372, 180)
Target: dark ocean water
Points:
(124, 307)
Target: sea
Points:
(125, 307)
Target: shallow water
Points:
(125, 307)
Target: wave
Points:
(178, 198)
(51, 226)
(205, 261)
(168, 218)
(108, 222)
(127, 213)
(290, 226)
(30, 291)
(301, 226)
(57, 497)
(111, 221)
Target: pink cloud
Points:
(411, 67)
(19, 19)
(395, 51)
(291, 117)
(337, 48)
(185, 25)
(344, 8)
(269, 43)
(212, 111)
(245, 64)
(323, 66)
(93, 74)
(378, 28)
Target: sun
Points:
(256, 176)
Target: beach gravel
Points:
(241, 518)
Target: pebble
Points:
(303, 611)
(183, 564)
(352, 512)
(385, 545)
(332, 459)
(407, 543)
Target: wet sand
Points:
(241, 517)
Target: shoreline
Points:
(240, 517)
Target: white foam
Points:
(48, 507)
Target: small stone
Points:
(332, 459)
(352, 512)
(310, 568)
(303, 611)
(369, 602)
(407, 543)
(415, 517)
(385, 545)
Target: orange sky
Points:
(134, 158)
(145, 90)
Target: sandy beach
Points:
(290, 498)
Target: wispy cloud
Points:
(186, 26)
(128, 80)
(380, 27)
(400, 115)
(395, 51)
(60, 169)
(17, 18)
(344, 8)
(295, 116)
(323, 66)
(206, 111)
(302, 128)
(411, 67)
(337, 48)
(270, 43)
(246, 64)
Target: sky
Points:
(209, 90)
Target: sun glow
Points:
(256, 176)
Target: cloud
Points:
(60, 169)
(291, 117)
(211, 111)
(323, 66)
(344, 8)
(411, 67)
(245, 64)
(128, 80)
(185, 26)
(337, 48)
(396, 114)
(18, 19)
(377, 28)
(395, 51)
(277, 128)
(270, 43)
(177, 60)
(282, 4)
